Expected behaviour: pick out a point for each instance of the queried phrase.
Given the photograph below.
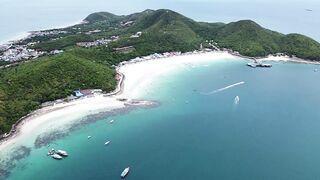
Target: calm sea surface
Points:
(199, 133)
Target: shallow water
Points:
(272, 133)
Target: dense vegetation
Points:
(168, 30)
(23, 88)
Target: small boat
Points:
(89, 137)
(111, 121)
(125, 172)
(106, 143)
(236, 100)
(253, 65)
(51, 152)
(259, 64)
(264, 65)
(62, 153)
(56, 156)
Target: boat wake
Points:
(224, 88)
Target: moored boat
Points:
(125, 172)
(62, 153)
(56, 156)
(106, 143)
(259, 64)
(51, 152)
(253, 65)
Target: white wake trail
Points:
(224, 88)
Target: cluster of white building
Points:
(13, 53)
(150, 57)
(92, 32)
(163, 55)
(47, 33)
(20, 52)
(4, 47)
(125, 24)
(78, 94)
(138, 34)
(98, 42)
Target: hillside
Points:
(25, 87)
(101, 17)
(166, 30)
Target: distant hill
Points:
(101, 16)
(168, 30)
(245, 36)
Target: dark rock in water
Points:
(46, 138)
(9, 163)
(20, 153)
(3, 173)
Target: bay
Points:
(272, 133)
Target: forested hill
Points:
(245, 36)
(168, 30)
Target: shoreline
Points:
(121, 97)
(129, 82)
(275, 58)
(26, 34)
(118, 92)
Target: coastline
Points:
(26, 34)
(275, 58)
(130, 86)
(288, 59)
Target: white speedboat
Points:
(89, 137)
(56, 156)
(236, 100)
(106, 143)
(125, 172)
(62, 153)
(111, 121)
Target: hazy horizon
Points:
(285, 16)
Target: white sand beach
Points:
(137, 75)
(284, 58)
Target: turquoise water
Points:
(273, 133)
